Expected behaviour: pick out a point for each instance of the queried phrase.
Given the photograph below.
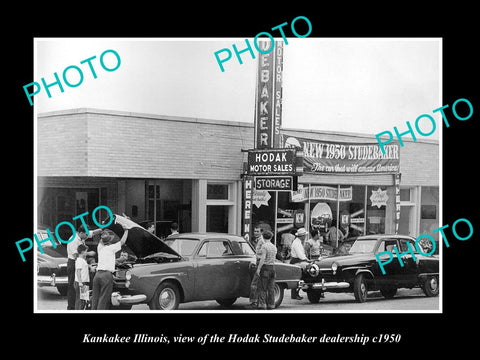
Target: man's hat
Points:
(107, 237)
(301, 232)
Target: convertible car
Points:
(358, 271)
(192, 267)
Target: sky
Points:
(359, 85)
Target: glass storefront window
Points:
(352, 211)
(217, 191)
(217, 218)
(168, 201)
(377, 199)
(339, 214)
(429, 212)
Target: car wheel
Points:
(360, 288)
(388, 292)
(166, 297)
(62, 290)
(314, 296)
(278, 294)
(226, 302)
(431, 286)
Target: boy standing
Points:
(82, 278)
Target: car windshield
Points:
(184, 247)
(42, 235)
(363, 246)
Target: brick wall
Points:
(88, 142)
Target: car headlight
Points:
(334, 267)
(313, 270)
(128, 275)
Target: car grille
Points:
(59, 271)
(45, 271)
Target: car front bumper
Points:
(51, 280)
(323, 285)
(119, 299)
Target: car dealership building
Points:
(190, 171)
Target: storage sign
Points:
(272, 183)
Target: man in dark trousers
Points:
(266, 272)
(103, 280)
(258, 241)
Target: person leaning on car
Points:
(72, 255)
(103, 280)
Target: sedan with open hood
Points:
(194, 267)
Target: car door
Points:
(216, 271)
(392, 269)
(245, 265)
(408, 272)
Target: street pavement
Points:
(406, 300)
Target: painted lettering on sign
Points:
(247, 207)
(274, 183)
(263, 116)
(271, 162)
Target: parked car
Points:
(196, 266)
(52, 264)
(359, 272)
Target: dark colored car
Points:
(52, 265)
(359, 271)
(194, 267)
(208, 266)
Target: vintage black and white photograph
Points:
(270, 174)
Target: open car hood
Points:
(139, 240)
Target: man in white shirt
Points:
(298, 255)
(103, 280)
(258, 241)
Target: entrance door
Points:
(163, 205)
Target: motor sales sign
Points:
(271, 162)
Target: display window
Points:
(338, 214)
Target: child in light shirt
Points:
(82, 278)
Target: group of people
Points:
(295, 248)
(79, 271)
(314, 246)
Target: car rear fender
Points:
(423, 276)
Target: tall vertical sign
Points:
(268, 105)
(278, 93)
(247, 207)
(397, 201)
